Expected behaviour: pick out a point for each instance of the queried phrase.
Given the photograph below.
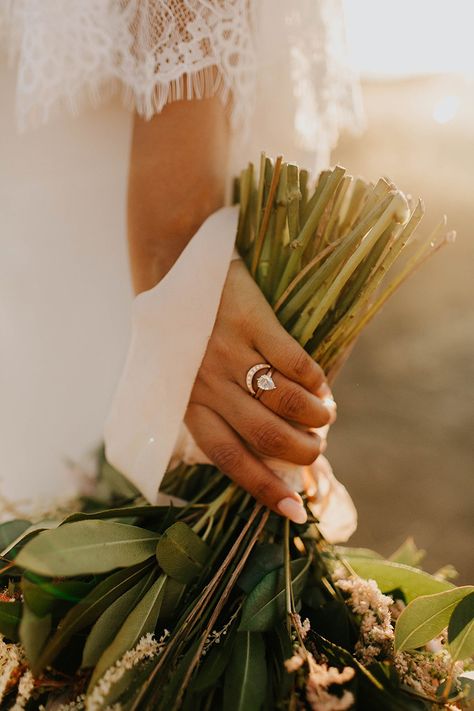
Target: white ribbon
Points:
(171, 326)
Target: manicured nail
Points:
(292, 510)
(330, 404)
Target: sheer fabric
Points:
(291, 53)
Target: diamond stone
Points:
(265, 382)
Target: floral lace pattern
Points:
(153, 51)
(70, 53)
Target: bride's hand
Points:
(233, 428)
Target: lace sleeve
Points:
(281, 66)
(151, 51)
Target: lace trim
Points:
(255, 55)
(149, 51)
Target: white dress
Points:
(70, 73)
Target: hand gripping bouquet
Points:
(216, 603)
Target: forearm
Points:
(177, 178)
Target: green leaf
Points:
(264, 558)
(461, 629)
(42, 596)
(11, 530)
(172, 596)
(213, 665)
(466, 682)
(141, 620)
(447, 572)
(117, 482)
(426, 617)
(408, 554)
(104, 630)
(265, 604)
(28, 533)
(34, 632)
(89, 609)
(352, 552)
(388, 576)
(154, 512)
(246, 677)
(10, 615)
(87, 547)
(181, 553)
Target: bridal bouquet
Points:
(216, 603)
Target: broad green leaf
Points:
(181, 553)
(264, 558)
(87, 547)
(43, 595)
(426, 617)
(461, 629)
(154, 512)
(141, 620)
(172, 596)
(389, 576)
(246, 677)
(265, 604)
(10, 615)
(351, 552)
(408, 554)
(118, 483)
(34, 632)
(104, 630)
(165, 695)
(11, 530)
(28, 533)
(89, 609)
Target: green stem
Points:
(299, 245)
(393, 212)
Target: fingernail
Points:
(292, 510)
(325, 390)
(330, 404)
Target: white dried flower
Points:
(396, 609)
(294, 663)
(320, 677)
(76, 705)
(12, 657)
(375, 610)
(216, 635)
(424, 671)
(146, 648)
(302, 627)
(25, 687)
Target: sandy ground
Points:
(403, 443)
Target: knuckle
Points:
(226, 456)
(269, 439)
(301, 364)
(308, 455)
(293, 403)
(261, 489)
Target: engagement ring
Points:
(264, 381)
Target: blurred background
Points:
(403, 443)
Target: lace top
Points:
(70, 52)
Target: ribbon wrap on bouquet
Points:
(171, 326)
